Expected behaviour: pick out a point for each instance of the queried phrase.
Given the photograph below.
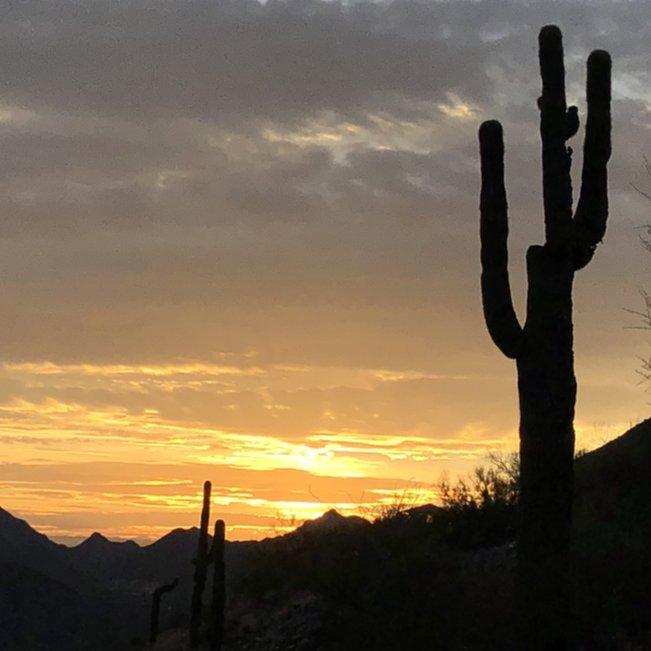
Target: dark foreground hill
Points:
(613, 482)
(413, 580)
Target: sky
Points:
(239, 242)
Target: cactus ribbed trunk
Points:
(547, 390)
(200, 570)
(218, 586)
(543, 348)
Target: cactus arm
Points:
(555, 128)
(592, 209)
(155, 608)
(501, 320)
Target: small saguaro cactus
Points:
(200, 570)
(543, 347)
(218, 586)
(155, 608)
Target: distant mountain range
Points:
(58, 597)
(96, 595)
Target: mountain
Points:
(171, 553)
(331, 520)
(53, 597)
(97, 544)
(21, 538)
(164, 560)
(97, 559)
(102, 558)
(28, 600)
(21, 545)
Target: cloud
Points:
(216, 408)
(280, 61)
(247, 233)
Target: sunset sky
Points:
(239, 242)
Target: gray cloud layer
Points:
(297, 178)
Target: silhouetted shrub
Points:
(481, 509)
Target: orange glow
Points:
(97, 447)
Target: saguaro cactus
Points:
(200, 570)
(155, 608)
(543, 347)
(218, 586)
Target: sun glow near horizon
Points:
(123, 450)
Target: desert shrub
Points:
(481, 509)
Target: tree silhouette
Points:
(543, 347)
(645, 313)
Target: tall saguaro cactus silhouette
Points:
(543, 347)
(200, 570)
(218, 586)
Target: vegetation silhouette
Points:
(200, 570)
(203, 559)
(155, 608)
(543, 347)
(645, 314)
(482, 508)
(218, 586)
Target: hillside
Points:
(613, 482)
(613, 530)
(27, 600)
